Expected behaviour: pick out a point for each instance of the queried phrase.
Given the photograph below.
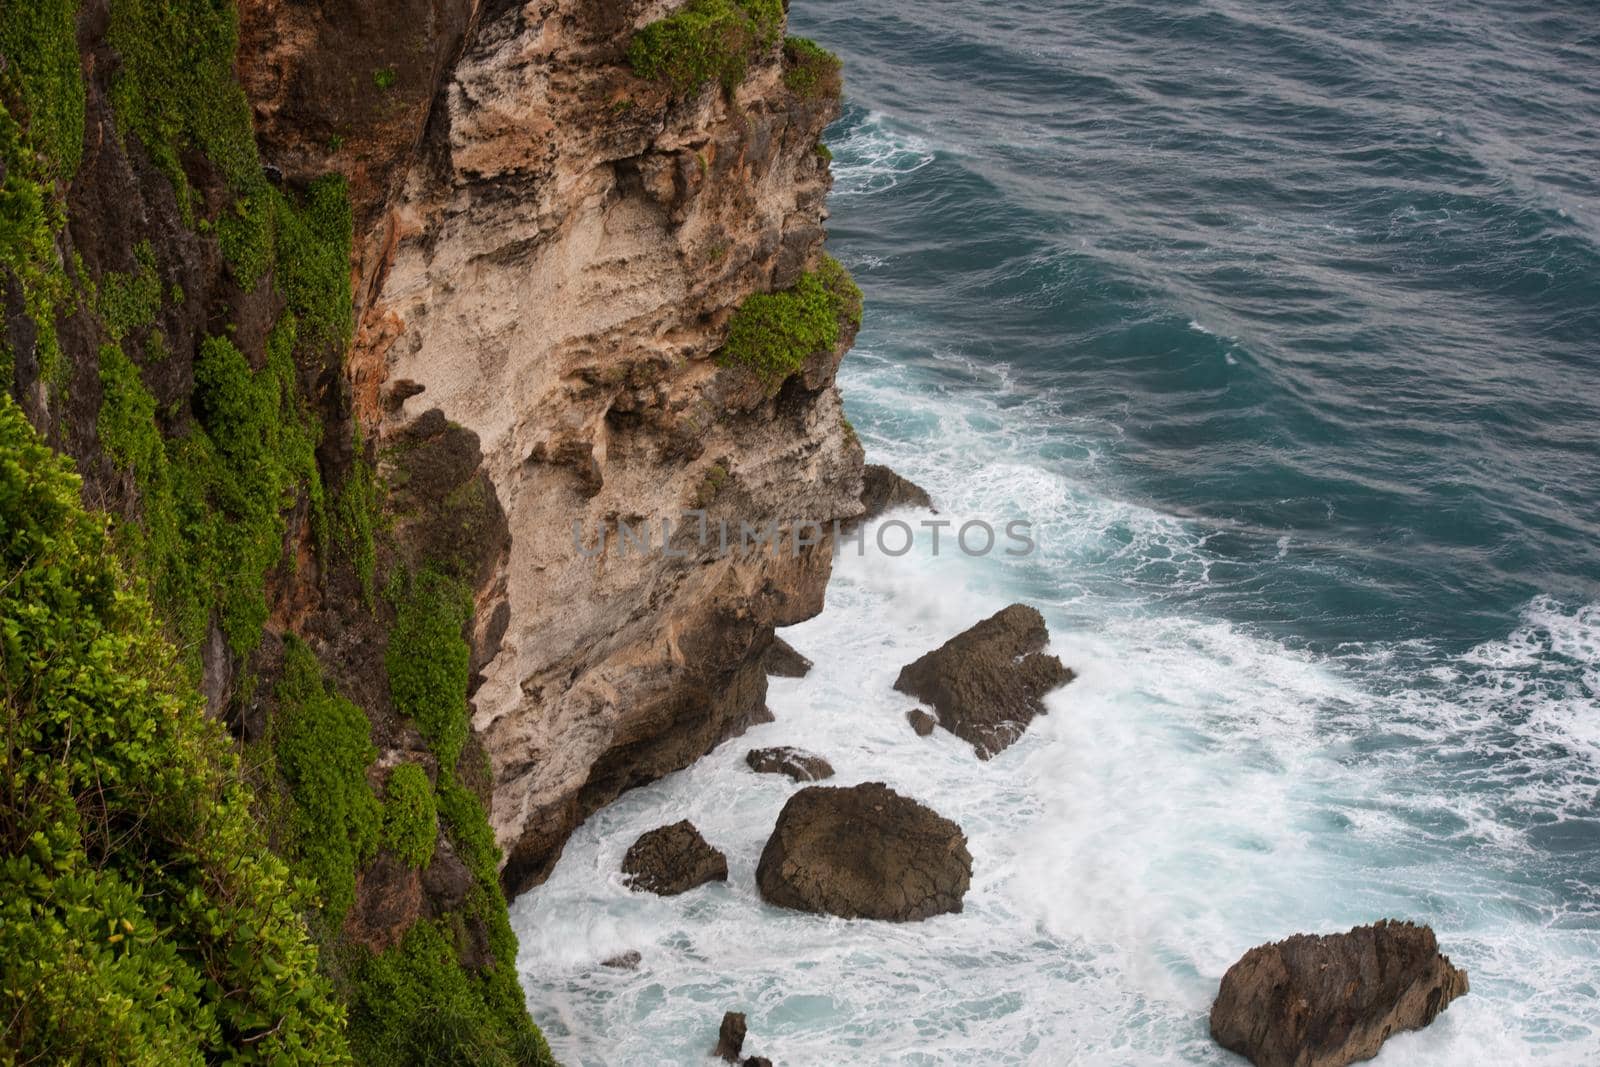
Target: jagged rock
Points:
(1325, 1001)
(730, 1038)
(921, 721)
(625, 961)
(883, 490)
(798, 765)
(864, 852)
(756, 1061)
(987, 683)
(673, 859)
(784, 662)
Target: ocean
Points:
(1280, 321)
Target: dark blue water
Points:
(1281, 320)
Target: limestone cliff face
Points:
(555, 278)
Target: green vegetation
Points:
(423, 1002)
(142, 919)
(809, 70)
(30, 218)
(129, 302)
(773, 334)
(39, 41)
(706, 40)
(410, 816)
(428, 661)
(324, 745)
(824, 152)
(385, 77)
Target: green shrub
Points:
(810, 70)
(129, 302)
(385, 77)
(324, 745)
(30, 218)
(40, 43)
(410, 817)
(773, 334)
(706, 40)
(141, 917)
(428, 661)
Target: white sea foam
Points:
(875, 156)
(1196, 791)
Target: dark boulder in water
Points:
(799, 765)
(921, 721)
(1325, 1001)
(987, 683)
(673, 859)
(883, 490)
(783, 661)
(864, 852)
(730, 1038)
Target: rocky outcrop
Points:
(673, 859)
(921, 721)
(784, 662)
(883, 490)
(730, 1037)
(864, 852)
(1325, 1001)
(799, 765)
(987, 683)
(556, 278)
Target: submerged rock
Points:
(883, 490)
(626, 961)
(673, 859)
(987, 683)
(921, 721)
(1325, 1001)
(864, 852)
(797, 764)
(783, 661)
(730, 1039)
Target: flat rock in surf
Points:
(1325, 1001)
(673, 859)
(782, 661)
(864, 852)
(987, 683)
(883, 490)
(799, 765)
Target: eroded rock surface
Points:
(730, 1037)
(1325, 1001)
(987, 683)
(921, 721)
(883, 490)
(864, 852)
(784, 662)
(673, 859)
(799, 765)
(556, 278)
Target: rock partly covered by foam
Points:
(673, 859)
(921, 721)
(798, 764)
(1325, 1001)
(783, 661)
(883, 490)
(730, 1037)
(987, 683)
(864, 852)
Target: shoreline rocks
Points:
(1331, 1000)
(922, 722)
(882, 490)
(730, 1037)
(782, 661)
(864, 852)
(799, 765)
(988, 682)
(673, 859)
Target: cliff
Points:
(349, 315)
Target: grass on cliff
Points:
(809, 70)
(773, 334)
(706, 40)
(142, 919)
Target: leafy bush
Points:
(142, 918)
(324, 746)
(706, 40)
(809, 69)
(410, 817)
(428, 661)
(773, 334)
(39, 41)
